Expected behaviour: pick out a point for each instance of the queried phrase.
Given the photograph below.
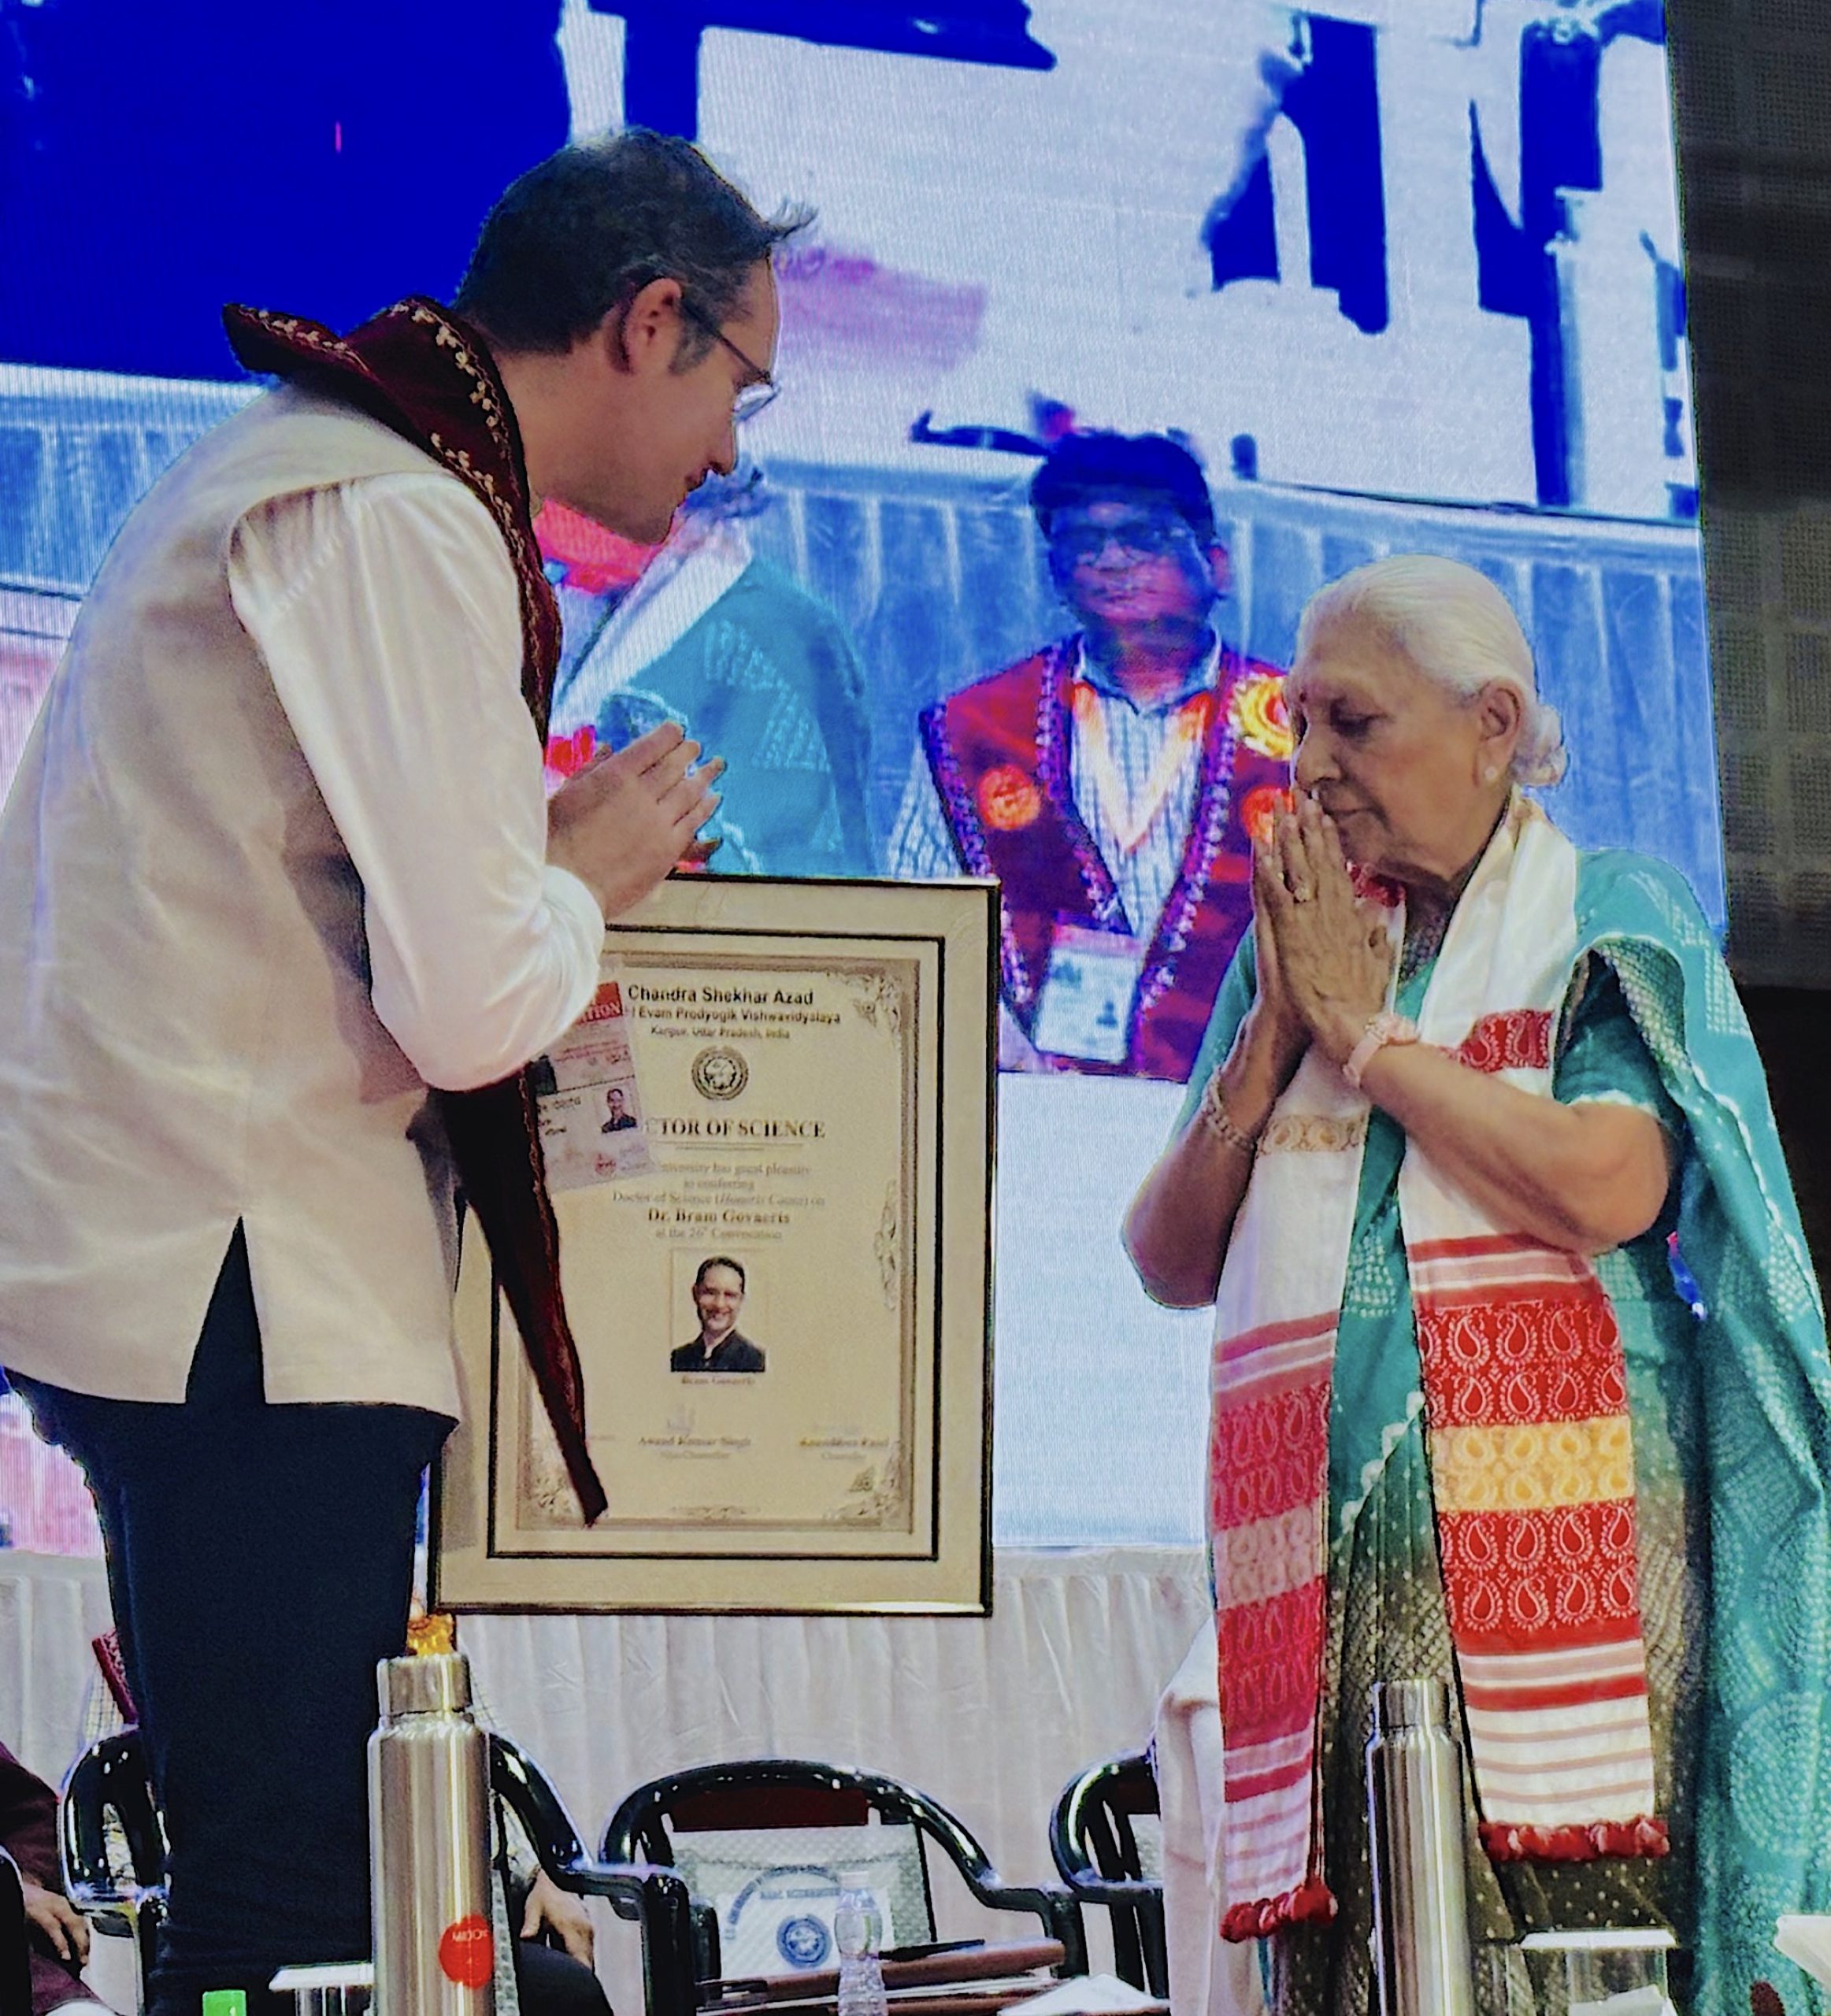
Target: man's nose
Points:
(725, 461)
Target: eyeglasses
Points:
(751, 398)
(1142, 538)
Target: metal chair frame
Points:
(744, 1793)
(1091, 1839)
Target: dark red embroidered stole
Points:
(419, 370)
(1000, 752)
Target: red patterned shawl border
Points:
(1511, 1677)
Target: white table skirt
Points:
(990, 1716)
(51, 1605)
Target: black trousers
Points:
(550, 1982)
(260, 1560)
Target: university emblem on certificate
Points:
(778, 1288)
(720, 1073)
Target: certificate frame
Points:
(848, 1469)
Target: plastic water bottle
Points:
(859, 1934)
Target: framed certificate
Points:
(769, 1141)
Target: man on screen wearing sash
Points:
(709, 633)
(1112, 781)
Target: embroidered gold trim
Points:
(1312, 1134)
(533, 584)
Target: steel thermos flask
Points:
(429, 1842)
(1414, 1827)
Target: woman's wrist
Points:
(1238, 1098)
(1214, 1119)
(1385, 1031)
(1267, 1052)
(1339, 1031)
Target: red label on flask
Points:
(468, 1952)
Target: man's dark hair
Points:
(1090, 467)
(719, 1260)
(582, 232)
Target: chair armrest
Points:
(1053, 1903)
(1049, 1902)
(115, 1906)
(137, 1915)
(656, 1898)
(631, 1886)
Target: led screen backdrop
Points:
(1391, 275)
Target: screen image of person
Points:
(712, 635)
(307, 666)
(1111, 780)
(618, 1119)
(719, 1288)
(1463, 1088)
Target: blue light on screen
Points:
(1403, 274)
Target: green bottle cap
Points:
(225, 2002)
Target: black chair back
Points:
(794, 1793)
(1095, 1847)
(110, 1777)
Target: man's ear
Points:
(1221, 569)
(645, 334)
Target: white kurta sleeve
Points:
(386, 611)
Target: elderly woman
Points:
(1462, 1084)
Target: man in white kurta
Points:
(277, 863)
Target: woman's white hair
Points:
(1456, 626)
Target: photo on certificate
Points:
(773, 1133)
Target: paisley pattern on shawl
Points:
(1732, 1443)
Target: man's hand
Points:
(625, 820)
(550, 1908)
(59, 1921)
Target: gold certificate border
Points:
(470, 1570)
(512, 1396)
